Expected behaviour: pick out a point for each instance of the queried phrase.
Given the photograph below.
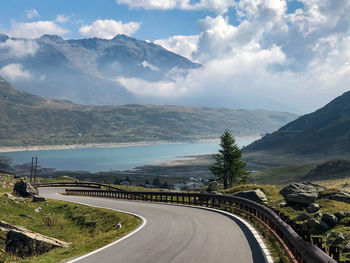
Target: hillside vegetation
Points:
(325, 132)
(31, 120)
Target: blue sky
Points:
(278, 54)
(156, 24)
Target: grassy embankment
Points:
(85, 228)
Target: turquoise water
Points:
(121, 158)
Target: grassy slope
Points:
(86, 228)
(31, 120)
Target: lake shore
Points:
(106, 145)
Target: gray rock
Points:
(313, 208)
(255, 195)
(313, 224)
(25, 189)
(347, 246)
(301, 193)
(341, 196)
(119, 225)
(324, 225)
(318, 215)
(334, 238)
(38, 198)
(282, 204)
(302, 216)
(213, 186)
(329, 219)
(340, 215)
(37, 210)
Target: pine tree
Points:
(156, 182)
(228, 166)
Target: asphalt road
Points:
(174, 234)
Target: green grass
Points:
(85, 228)
(281, 175)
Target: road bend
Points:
(173, 234)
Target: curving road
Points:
(173, 234)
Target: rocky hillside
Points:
(86, 71)
(324, 132)
(334, 169)
(31, 120)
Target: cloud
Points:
(271, 59)
(19, 48)
(107, 29)
(62, 18)
(36, 29)
(184, 45)
(31, 13)
(15, 72)
(218, 6)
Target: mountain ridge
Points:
(325, 131)
(30, 120)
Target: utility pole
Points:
(31, 170)
(36, 165)
(110, 177)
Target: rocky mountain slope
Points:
(86, 71)
(323, 132)
(27, 119)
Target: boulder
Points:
(23, 242)
(38, 198)
(341, 196)
(25, 189)
(213, 187)
(313, 208)
(334, 238)
(329, 219)
(255, 195)
(302, 216)
(313, 224)
(347, 246)
(301, 193)
(318, 215)
(342, 214)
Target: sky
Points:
(275, 54)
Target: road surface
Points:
(173, 234)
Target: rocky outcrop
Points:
(38, 198)
(340, 195)
(25, 189)
(301, 193)
(342, 214)
(313, 208)
(23, 242)
(254, 195)
(329, 219)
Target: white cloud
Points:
(108, 29)
(15, 72)
(218, 6)
(271, 59)
(62, 18)
(35, 29)
(19, 48)
(31, 13)
(183, 45)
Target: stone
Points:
(329, 219)
(282, 204)
(324, 225)
(38, 198)
(341, 196)
(37, 210)
(255, 195)
(302, 216)
(119, 225)
(318, 215)
(334, 238)
(25, 189)
(313, 224)
(347, 246)
(301, 193)
(342, 214)
(213, 186)
(313, 208)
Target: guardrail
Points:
(77, 184)
(296, 248)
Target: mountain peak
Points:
(51, 37)
(3, 37)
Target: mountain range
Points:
(87, 71)
(324, 132)
(28, 119)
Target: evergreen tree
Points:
(147, 182)
(156, 182)
(127, 179)
(228, 167)
(117, 180)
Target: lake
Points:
(121, 158)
